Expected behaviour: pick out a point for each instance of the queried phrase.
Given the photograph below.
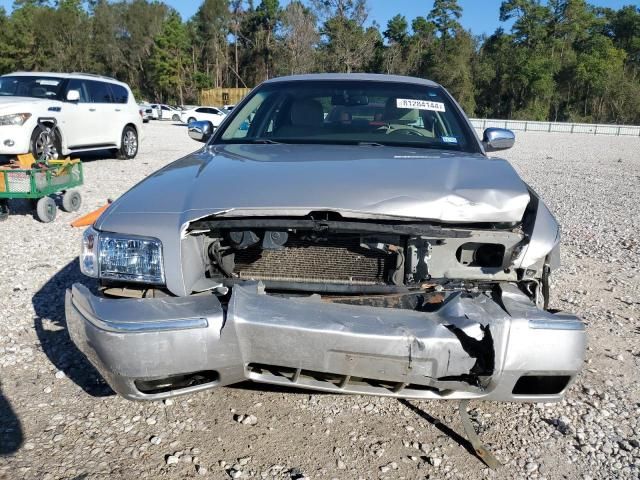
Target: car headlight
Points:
(14, 119)
(128, 258)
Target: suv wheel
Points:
(175, 117)
(129, 143)
(45, 143)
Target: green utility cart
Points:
(38, 181)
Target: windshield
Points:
(349, 112)
(31, 86)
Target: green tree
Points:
(445, 15)
(299, 39)
(347, 45)
(168, 59)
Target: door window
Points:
(120, 94)
(81, 86)
(99, 92)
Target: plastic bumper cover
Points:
(14, 139)
(310, 343)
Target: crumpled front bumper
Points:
(310, 343)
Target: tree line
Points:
(561, 60)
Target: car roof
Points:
(370, 77)
(86, 76)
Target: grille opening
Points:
(541, 384)
(177, 382)
(338, 380)
(337, 259)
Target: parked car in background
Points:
(146, 112)
(211, 114)
(57, 114)
(155, 111)
(167, 112)
(228, 108)
(384, 256)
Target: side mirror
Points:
(73, 95)
(494, 139)
(201, 131)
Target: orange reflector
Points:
(90, 218)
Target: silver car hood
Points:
(356, 181)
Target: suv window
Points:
(81, 86)
(99, 92)
(30, 86)
(201, 110)
(120, 94)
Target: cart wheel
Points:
(71, 201)
(4, 210)
(46, 210)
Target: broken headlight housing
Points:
(128, 258)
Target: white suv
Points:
(56, 114)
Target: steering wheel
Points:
(404, 130)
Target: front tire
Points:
(45, 144)
(46, 210)
(128, 143)
(176, 117)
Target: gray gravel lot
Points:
(59, 420)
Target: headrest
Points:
(307, 112)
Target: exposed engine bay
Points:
(326, 254)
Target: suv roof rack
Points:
(93, 75)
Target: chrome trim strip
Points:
(141, 327)
(560, 324)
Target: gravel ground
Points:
(59, 420)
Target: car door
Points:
(121, 108)
(102, 101)
(216, 116)
(80, 120)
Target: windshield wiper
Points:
(370, 144)
(265, 141)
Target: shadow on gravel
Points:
(48, 303)
(87, 157)
(10, 428)
(448, 431)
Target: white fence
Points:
(530, 126)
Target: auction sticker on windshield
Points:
(420, 104)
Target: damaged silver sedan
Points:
(341, 233)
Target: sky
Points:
(481, 16)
